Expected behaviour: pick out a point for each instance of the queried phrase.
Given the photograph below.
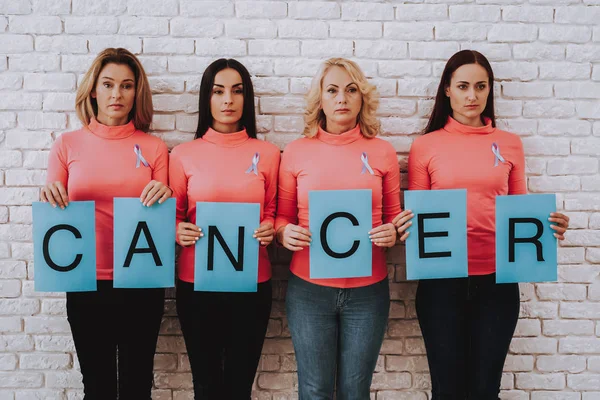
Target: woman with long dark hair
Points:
(224, 332)
(468, 323)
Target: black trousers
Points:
(467, 326)
(115, 333)
(224, 334)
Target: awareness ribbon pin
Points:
(140, 157)
(497, 155)
(366, 167)
(254, 166)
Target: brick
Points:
(260, 9)
(251, 29)
(432, 51)
(10, 158)
(35, 159)
(581, 202)
(49, 82)
(421, 12)
(221, 47)
(277, 381)
(314, 10)
(417, 31)
(70, 379)
(568, 327)
(528, 13)
(28, 140)
(16, 343)
(31, 62)
(589, 146)
(582, 238)
(166, 84)
(91, 25)
(572, 165)
(297, 67)
(355, 30)
(533, 345)
(99, 7)
(583, 381)
(21, 379)
(37, 25)
(540, 381)
(177, 380)
(556, 127)
(515, 363)
(44, 361)
(342, 48)
(195, 27)
(564, 34)
(512, 33)
(10, 288)
(562, 395)
(528, 327)
(54, 306)
(153, 26)
(583, 52)
(40, 395)
(393, 69)
(194, 8)
(367, 11)
(391, 380)
(470, 12)
(152, 7)
(167, 45)
(15, 7)
(20, 101)
(526, 90)
(12, 325)
(276, 48)
(101, 42)
(579, 15)
(460, 31)
(54, 325)
(59, 102)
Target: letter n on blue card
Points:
(340, 221)
(437, 245)
(64, 247)
(144, 244)
(525, 243)
(226, 258)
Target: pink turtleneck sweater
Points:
(333, 162)
(98, 163)
(213, 169)
(461, 157)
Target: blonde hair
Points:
(314, 116)
(87, 107)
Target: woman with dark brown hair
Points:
(468, 323)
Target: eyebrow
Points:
(351, 83)
(237, 84)
(111, 79)
(469, 82)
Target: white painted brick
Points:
(99, 7)
(8, 362)
(273, 48)
(188, 64)
(562, 395)
(421, 12)
(15, 7)
(469, 12)
(221, 47)
(460, 31)
(314, 10)
(64, 379)
(590, 183)
(587, 109)
(528, 327)
(565, 33)
(91, 25)
(53, 325)
(252, 29)
(528, 13)
(573, 165)
(341, 48)
(408, 31)
(540, 381)
(595, 221)
(548, 109)
(556, 127)
(432, 50)
(541, 309)
(579, 15)
(525, 90)
(583, 381)
(583, 53)
(41, 82)
(144, 26)
(385, 87)
(187, 123)
(166, 84)
(61, 44)
(16, 43)
(589, 146)
(195, 8)
(163, 122)
(38, 25)
(515, 70)
(356, 11)
(20, 101)
(76, 63)
(152, 7)
(582, 238)
(40, 395)
(534, 345)
(564, 71)
(397, 107)
(492, 51)
(355, 30)
(417, 87)
(542, 184)
(35, 159)
(195, 27)
(180, 102)
(260, 9)
(54, 307)
(270, 85)
(516, 363)
(18, 139)
(25, 177)
(557, 291)
(31, 62)
(512, 33)
(98, 43)
(297, 67)
(61, 343)
(44, 361)
(282, 105)
(56, 7)
(10, 158)
(8, 120)
(59, 102)
(10, 288)
(166, 45)
(392, 69)
(539, 52)
(582, 90)
(573, 364)
(582, 201)
(21, 379)
(11, 81)
(293, 124)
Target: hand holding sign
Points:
(562, 224)
(55, 193)
(384, 235)
(155, 191)
(264, 234)
(402, 223)
(294, 237)
(188, 234)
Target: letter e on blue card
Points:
(437, 245)
(64, 247)
(144, 244)
(525, 244)
(226, 258)
(340, 221)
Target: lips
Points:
(116, 105)
(342, 110)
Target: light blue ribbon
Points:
(366, 167)
(254, 166)
(497, 155)
(140, 157)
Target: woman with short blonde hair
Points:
(112, 156)
(338, 324)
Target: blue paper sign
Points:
(340, 221)
(437, 244)
(226, 258)
(525, 244)
(64, 247)
(144, 244)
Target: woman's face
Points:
(468, 92)
(115, 94)
(227, 101)
(341, 100)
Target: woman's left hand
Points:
(384, 235)
(154, 191)
(264, 234)
(561, 224)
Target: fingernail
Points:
(253, 236)
(160, 201)
(255, 231)
(54, 205)
(410, 222)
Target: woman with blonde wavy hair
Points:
(337, 325)
(112, 156)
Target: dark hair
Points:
(205, 118)
(441, 109)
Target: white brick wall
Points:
(546, 56)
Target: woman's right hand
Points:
(294, 237)
(55, 194)
(402, 223)
(188, 234)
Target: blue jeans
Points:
(337, 335)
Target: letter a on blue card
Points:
(525, 243)
(340, 221)
(144, 244)
(226, 258)
(437, 244)
(64, 247)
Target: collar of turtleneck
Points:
(343, 138)
(453, 126)
(111, 132)
(226, 139)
